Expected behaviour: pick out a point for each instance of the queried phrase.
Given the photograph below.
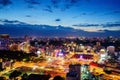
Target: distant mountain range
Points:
(51, 31)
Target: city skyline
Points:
(86, 15)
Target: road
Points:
(57, 66)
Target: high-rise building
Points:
(4, 41)
(74, 72)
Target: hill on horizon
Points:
(22, 29)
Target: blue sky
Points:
(88, 15)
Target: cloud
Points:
(85, 25)
(32, 2)
(116, 24)
(73, 1)
(116, 11)
(55, 3)
(112, 12)
(83, 14)
(106, 25)
(67, 6)
(70, 3)
(57, 20)
(5, 2)
(30, 7)
(48, 9)
(5, 21)
(64, 4)
(27, 15)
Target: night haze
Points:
(96, 17)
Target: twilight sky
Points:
(88, 15)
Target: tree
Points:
(15, 74)
(24, 76)
(58, 78)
